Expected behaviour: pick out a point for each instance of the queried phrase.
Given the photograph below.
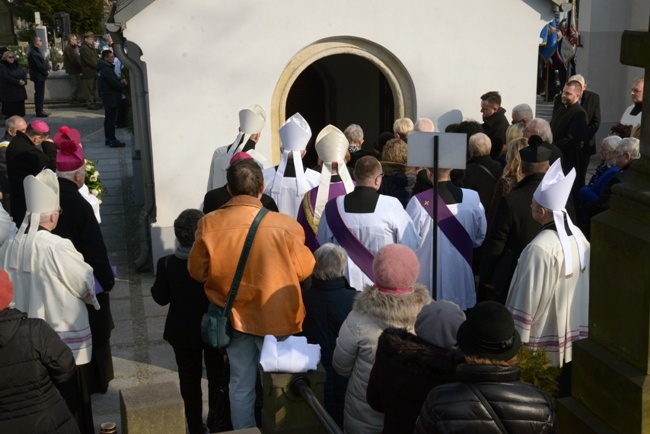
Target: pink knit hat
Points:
(6, 290)
(395, 268)
(40, 126)
(70, 156)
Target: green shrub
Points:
(536, 369)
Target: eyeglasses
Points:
(10, 57)
(381, 175)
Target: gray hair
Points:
(524, 110)
(12, 122)
(611, 143)
(330, 262)
(479, 145)
(70, 174)
(354, 133)
(542, 128)
(631, 145)
(425, 125)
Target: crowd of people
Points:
(345, 258)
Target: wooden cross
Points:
(635, 51)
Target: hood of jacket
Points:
(406, 351)
(102, 64)
(392, 310)
(10, 320)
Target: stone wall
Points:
(58, 89)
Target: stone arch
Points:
(401, 84)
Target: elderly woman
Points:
(327, 303)
(393, 301)
(13, 79)
(605, 170)
(407, 366)
(511, 173)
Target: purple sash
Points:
(449, 225)
(352, 245)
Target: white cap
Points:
(41, 197)
(331, 146)
(553, 193)
(295, 134)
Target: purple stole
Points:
(356, 250)
(448, 224)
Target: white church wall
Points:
(208, 60)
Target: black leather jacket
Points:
(455, 408)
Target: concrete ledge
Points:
(152, 409)
(58, 89)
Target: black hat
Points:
(537, 150)
(489, 333)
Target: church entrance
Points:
(341, 90)
(340, 81)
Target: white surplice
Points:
(288, 199)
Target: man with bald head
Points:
(424, 125)
(364, 221)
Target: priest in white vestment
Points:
(373, 220)
(288, 183)
(549, 293)
(251, 123)
(455, 278)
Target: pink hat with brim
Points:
(66, 134)
(70, 156)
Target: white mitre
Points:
(295, 134)
(553, 193)
(331, 147)
(41, 197)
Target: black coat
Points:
(406, 368)
(110, 87)
(455, 408)
(481, 175)
(10, 88)
(23, 158)
(78, 223)
(187, 302)
(495, 128)
(37, 65)
(569, 127)
(511, 230)
(590, 101)
(32, 357)
(327, 305)
(215, 199)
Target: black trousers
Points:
(190, 370)
(110, 120)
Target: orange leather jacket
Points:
(269, 300)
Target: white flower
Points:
(97, 173)
(94, 192)
(93, 177)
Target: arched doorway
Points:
(343, 80)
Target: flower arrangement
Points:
(92, 181)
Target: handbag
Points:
(215, 324)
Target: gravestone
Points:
(611, 381)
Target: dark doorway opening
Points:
(341, 90)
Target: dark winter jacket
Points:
(72, 59)
(10, 88)
(32, 357)
(187, 302)
(37, 65)
(327, 304)
(495, 128)
(110, 87)
(481, 175)
(406, 368)
(456, 408)
(89, 61)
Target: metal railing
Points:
(300, 386)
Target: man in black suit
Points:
(590, 101)
(513, 226)
(569, 126)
